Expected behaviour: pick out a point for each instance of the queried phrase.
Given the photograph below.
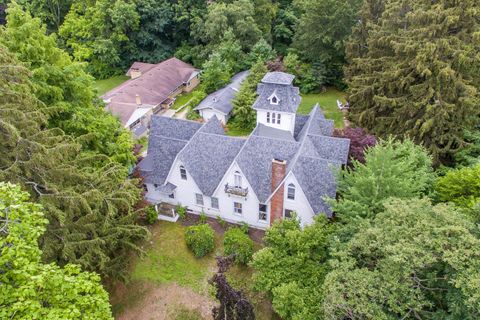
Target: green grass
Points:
(170, 261)
(234, 131)
(182, 99)
(105, 85)
(328, 102)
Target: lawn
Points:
(105, 85)
(168, 282)
(328, 103)
(182, 99)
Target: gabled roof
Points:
(174, 128)
(153, 86)
(207, 158)
(222, 99)
(140, 66)
(288, 98)
(269, 132)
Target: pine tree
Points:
(414, 71)
(90, 209)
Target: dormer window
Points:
(274, 99)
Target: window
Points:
(268, 117)
(274, 100)
(262, 212)
(273, 117)
(238, 179)
(288, 214)
(171, 195)
(183, 173)
(237, 208)
(278, 118)
(291, 192)
(199, 199)
(214, 202)
(155, 185)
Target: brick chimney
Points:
(279, 168)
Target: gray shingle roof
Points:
(331, 148)
(213, 125)
(207, 157)
(269, 132)
(164, 151)
(317, 179)
(278, 78)
(222, 99)
(174, 128)
(255, 161)
(300, 121)
(288, 96)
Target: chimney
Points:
(279, 168)
(138, 100)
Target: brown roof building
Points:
(151, 88)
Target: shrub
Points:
(244, 227)
(181, 211)
(221, 222)
(203, 218)
(238, 243)
(200, 239)
(151, 216)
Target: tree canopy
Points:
(31, 289)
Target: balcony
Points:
(236, 191)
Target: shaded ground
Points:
(328, 103)
(170, 283)
(105, 85)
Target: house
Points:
(286, 165)
(151, 88)
(219, 103)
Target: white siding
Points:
(206, 114)
(300, 205)
(287, 120)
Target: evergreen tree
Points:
(244, 115)
(31, 289)
(414, 71)
(90, 209)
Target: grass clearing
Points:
(328, 103)
(168, 282)
(234, 131)
(182, 99)
(105, 85)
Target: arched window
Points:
(183, 173)
(274, 100)
(278, 118)
(268, 117)
(238, 179)
(291, 191)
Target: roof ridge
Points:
(168, 138)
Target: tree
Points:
(306, 75)
(230, 52)
(88, 201)
(244, 115)
(34, 290)
(262, 51)
(292, 267)
(98, 32)
(332, 21)
(412, 72)
(215, 74)
(413, 261)
(460, 186)
(391, 169)
(470, 155)
(51, 12)
(360, 141)
(65, 89)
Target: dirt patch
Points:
(158, 303)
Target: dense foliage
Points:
(31, 289)
(200, 239)
(461, 186)
(391, 169)
(88, 202)
(238, 244)
(292, 267)
(360, 141)
(412, 261)
(413, 71)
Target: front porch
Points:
(166, 212)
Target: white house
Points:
(286, 165)
(220, 103)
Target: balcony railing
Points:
(237, 191)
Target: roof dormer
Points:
(274, 98)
